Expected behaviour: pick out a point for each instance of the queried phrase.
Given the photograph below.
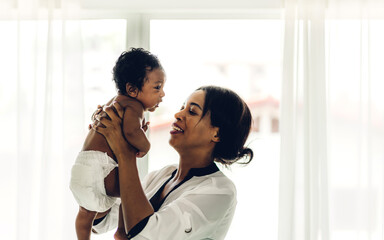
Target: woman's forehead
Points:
(197, 97)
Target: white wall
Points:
(161, 5)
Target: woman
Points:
(194, 199)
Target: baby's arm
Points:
(132, 128)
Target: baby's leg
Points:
(111, 183)
(83, 223)
(120, 233)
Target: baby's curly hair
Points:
(132, 67)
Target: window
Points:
(103, 41)
(245, 56)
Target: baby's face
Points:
(152, 91)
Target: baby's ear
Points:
(131, 90)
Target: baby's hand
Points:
(144, 125)
(140, 154)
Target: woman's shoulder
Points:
(221, 181)
(158, 175)
(215, 183)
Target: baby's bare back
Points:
(97, 142)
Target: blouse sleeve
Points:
(193, 215)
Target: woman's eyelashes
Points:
(190, 111)
(158, 87)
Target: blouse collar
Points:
(198, 172)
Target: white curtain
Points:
(41, 92)
(332, 121)
(303, 205)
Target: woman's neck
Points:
(188, 161)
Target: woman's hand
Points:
(111, 128)
(93, 117)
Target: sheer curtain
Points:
(41, 92)
(332, 133)
(303, 204)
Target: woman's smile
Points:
(176, 129)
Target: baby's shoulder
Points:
(128, 102)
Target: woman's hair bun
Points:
(245, 154)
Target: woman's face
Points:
(190, 131)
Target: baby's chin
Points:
(152, 109)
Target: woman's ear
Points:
(131, 90)
(216, 137)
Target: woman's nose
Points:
(179, 115)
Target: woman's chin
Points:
(172, 142)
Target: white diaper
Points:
(87, 180)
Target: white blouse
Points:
(200, 208)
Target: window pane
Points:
(245, 56)
(104, 40)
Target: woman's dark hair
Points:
(132, 67)
(233, 118)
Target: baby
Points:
(139, 79)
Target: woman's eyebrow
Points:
(197, 105)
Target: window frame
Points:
(138, 34)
